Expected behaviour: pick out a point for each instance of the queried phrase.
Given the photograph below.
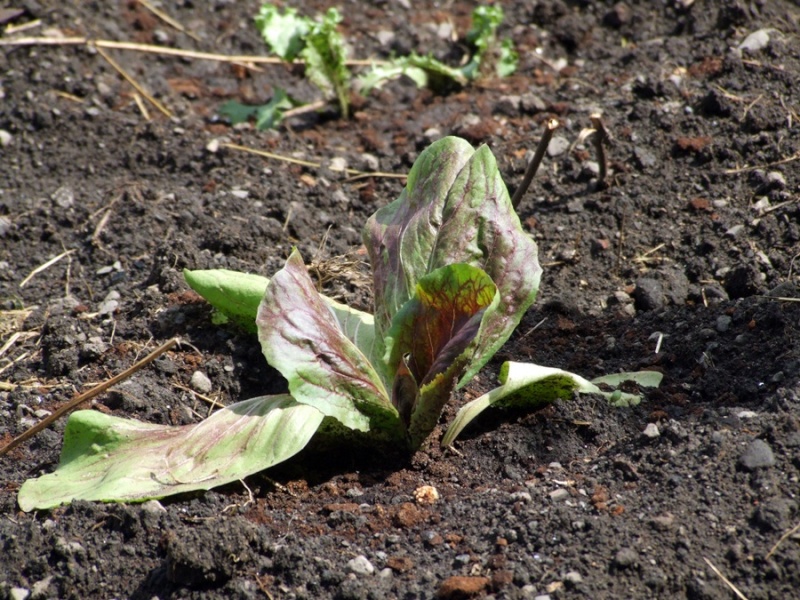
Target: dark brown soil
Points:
(699, 226)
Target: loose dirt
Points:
(692, 249)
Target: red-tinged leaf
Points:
(301, 337)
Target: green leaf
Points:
(530, 386)
(508, 61)
(424, 71)
(267, 116)
(427, 345)
(455, 209)
(111, 459)
(237, 296)
(325, 57)
(284, 33)
(236, 112)
(488, 51)
(302, 338)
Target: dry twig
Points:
(80, 399)
(163, 109)
(44, 267)
(727, 582)
(164, 50)
(533, 166)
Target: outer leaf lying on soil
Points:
(525, 385)
(111, 459)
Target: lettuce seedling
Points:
(453, 274)
(317, 42)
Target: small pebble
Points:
(747, 414)
(5, 138)
(775, 179)
(153, 507)
(531, 103)
(201, 383)
(338, 163)
(240, 194)
(757, 455)
(626, 558)
(559, 495)
(360, 565)
(19, 593)
(758, 40)
(64, 197)
(651, 431)
(521, 497)
(557, 146)
(370, 162)
(508, 105)
(723, 323)
(734, 231)
(213, 146)
(573, 577)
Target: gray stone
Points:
(508, 105)
(723, 323)
(370, 162)
(644, 158)
(626, 558)
(531, 103)
(201, 383)
(756, 41)
(64, 197)
(39, 589)
(651, 431)
(19, 593)
(559, 495)
(757, 455)
(557, 146)
(360, 565)
(648, 295)
(573, 577)
(776, 179)
(153, 507)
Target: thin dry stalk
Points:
(727, 582)
(356, 174)
(600, 139)
(783, 161)
(169, 20)
(44, 267)
(165, 51)
(96, 391)
(533, 166)
(788, 533)
(163, 109)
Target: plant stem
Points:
(533, 166)
(600, 137)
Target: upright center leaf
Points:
(428, 344)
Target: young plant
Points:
(318, 43)
(453, 274)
